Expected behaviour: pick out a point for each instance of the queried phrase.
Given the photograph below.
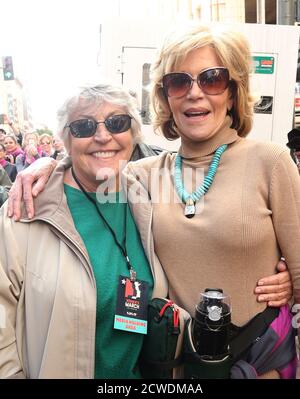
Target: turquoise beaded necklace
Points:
(191, 199)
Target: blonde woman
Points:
(46, 144)
(230, 228)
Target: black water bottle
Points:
(211, 324)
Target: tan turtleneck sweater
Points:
(248, 219)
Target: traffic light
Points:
(8, 70)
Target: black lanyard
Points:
(122, 249)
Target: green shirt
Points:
(116, 351)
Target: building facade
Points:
(14, 102)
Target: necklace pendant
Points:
(190, 209)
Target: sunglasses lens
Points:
(118, 123)
(214, 81)
(87, 127)
(83, 128)
(176, 84)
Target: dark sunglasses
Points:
(212, 81)
(87, 127)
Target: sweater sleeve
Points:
(11, 282)
(285, 206)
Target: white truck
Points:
(129, 46)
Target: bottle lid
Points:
(215, 303)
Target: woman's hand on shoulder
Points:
(276, 290)
(28, 184)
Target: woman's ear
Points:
(231, 96)
(229, 106)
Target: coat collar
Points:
(51, 207)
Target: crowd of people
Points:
(65, 264)
(20, 149)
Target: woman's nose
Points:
(195, 91)
(102, 134)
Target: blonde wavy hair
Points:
(233, 51)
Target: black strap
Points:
(163, 365)
(244, 337)
(119, 245)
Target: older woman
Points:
(61, 272)
(246, 206)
